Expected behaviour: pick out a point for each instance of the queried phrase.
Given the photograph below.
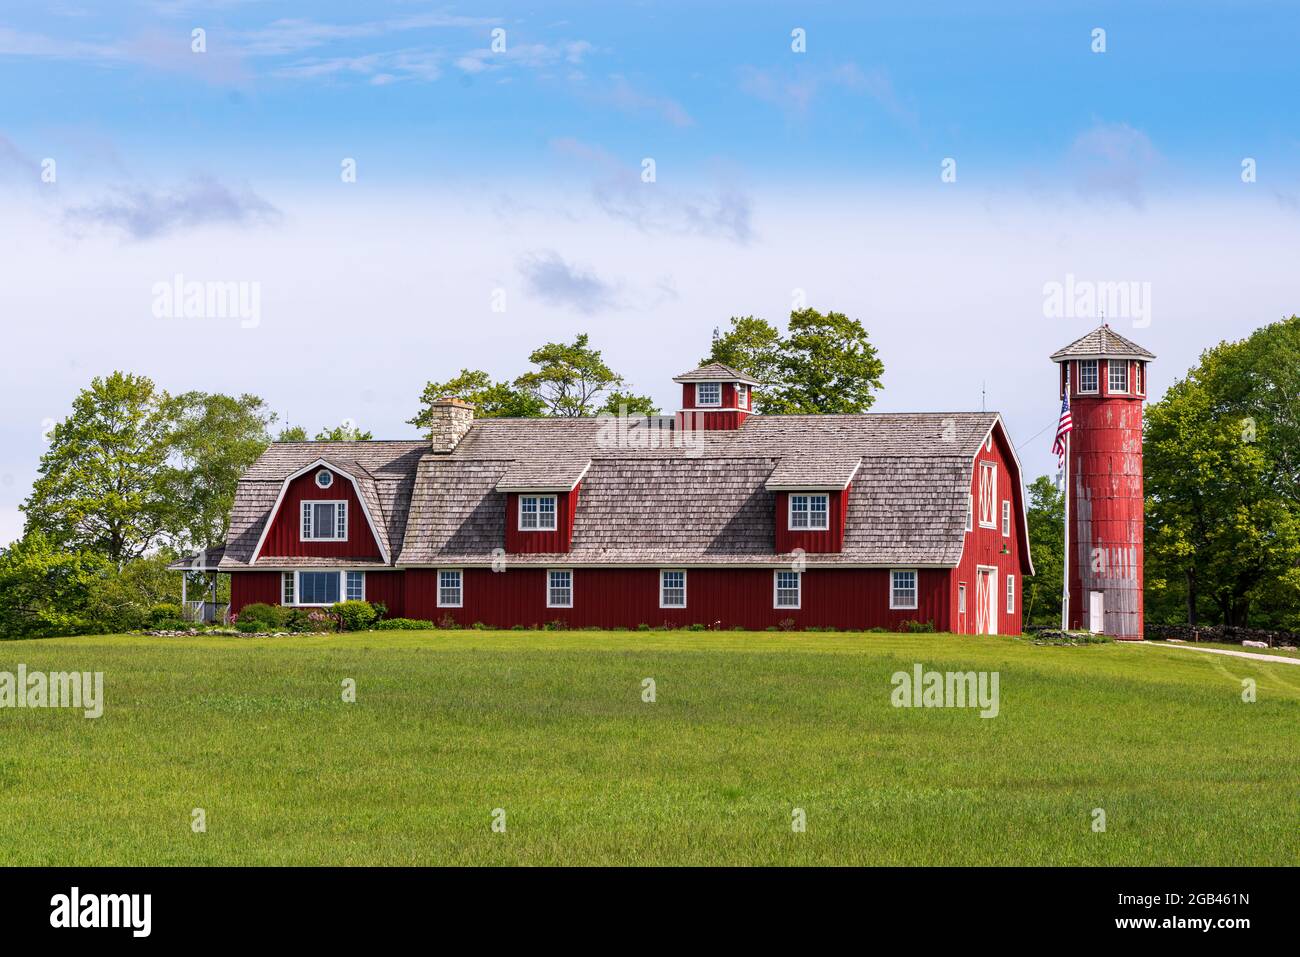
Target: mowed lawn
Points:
(551, 728)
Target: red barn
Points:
(716, 516)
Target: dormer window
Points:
(810, 511)
(537, 513)
(708, 393)
(324, 521)
(324, 478)
(742, 395)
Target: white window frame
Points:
(1006, 518)
(460, 587)
(1139, 377)
(288, 588)
(537, 513)
(808, 512)
(663, 572)
(988, 495)
(347, 594)
(777, 589)
(742, 395)
(1011, 594)
(961, 598)
(970, 511)
(328, 476)
(1096, 377)
(558, 571)
(699, 399)
(307, 520)
(297, 587)
(1113, 366)
(893, 589)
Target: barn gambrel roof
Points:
(707, 502)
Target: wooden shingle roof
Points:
(711, 501)
(1102, 343)
(716, 372)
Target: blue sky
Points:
(778, 174)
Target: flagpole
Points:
(1065, 590)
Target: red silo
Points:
(1107, 375)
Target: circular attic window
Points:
(324, 478)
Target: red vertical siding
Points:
(609, 597)
(983, 546)
(248, 588)
(534, 542)
(830, 540)
(389, 588)
(285, 536)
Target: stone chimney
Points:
(451, 419)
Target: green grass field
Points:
(551, 727)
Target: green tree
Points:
(825, 363)
(45, 591)
(292, 433)
(570, 378)
(344, 433)
(214, 438)
(619, 403)
(751, 345)
(103, 485)
(1047, 546)
(1223, 519)
(491, 399)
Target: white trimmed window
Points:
(451, 588)
(742, 395)
(810, 511)
(1011, 594)
(537, 513)
(356, 586)
(1139, 379)
(324, 478)
(1117, 378)
(902, 588)
(961, 598)
(988, 494)
(324, 521)
(318, 588)
(1087, 375)
(286, 588)
(1006, 519)
(708, 393)
(970, 512)
(787, 589)
(672, 589)
(559, 588)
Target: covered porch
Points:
(202, 568)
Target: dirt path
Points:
(1225, 651)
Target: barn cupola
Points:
(715, 396)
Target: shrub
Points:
(354, 615)
(557, 624)
(696, 627)
(518, 628)
(267, 617)
(403, 624)
(247, 626)
(447, 622)
(479, 626)
(164, 614)
(787, 624)
(643, 627)
(917, 627)
(381, 610)
(878, 630)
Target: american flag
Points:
(1064, 426)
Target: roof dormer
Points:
(715, 396)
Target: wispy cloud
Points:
(1113, 160)
(794, 91)
(655, 207)
(557, 282)
(531, 55)
(622, 96)
(142, 214)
